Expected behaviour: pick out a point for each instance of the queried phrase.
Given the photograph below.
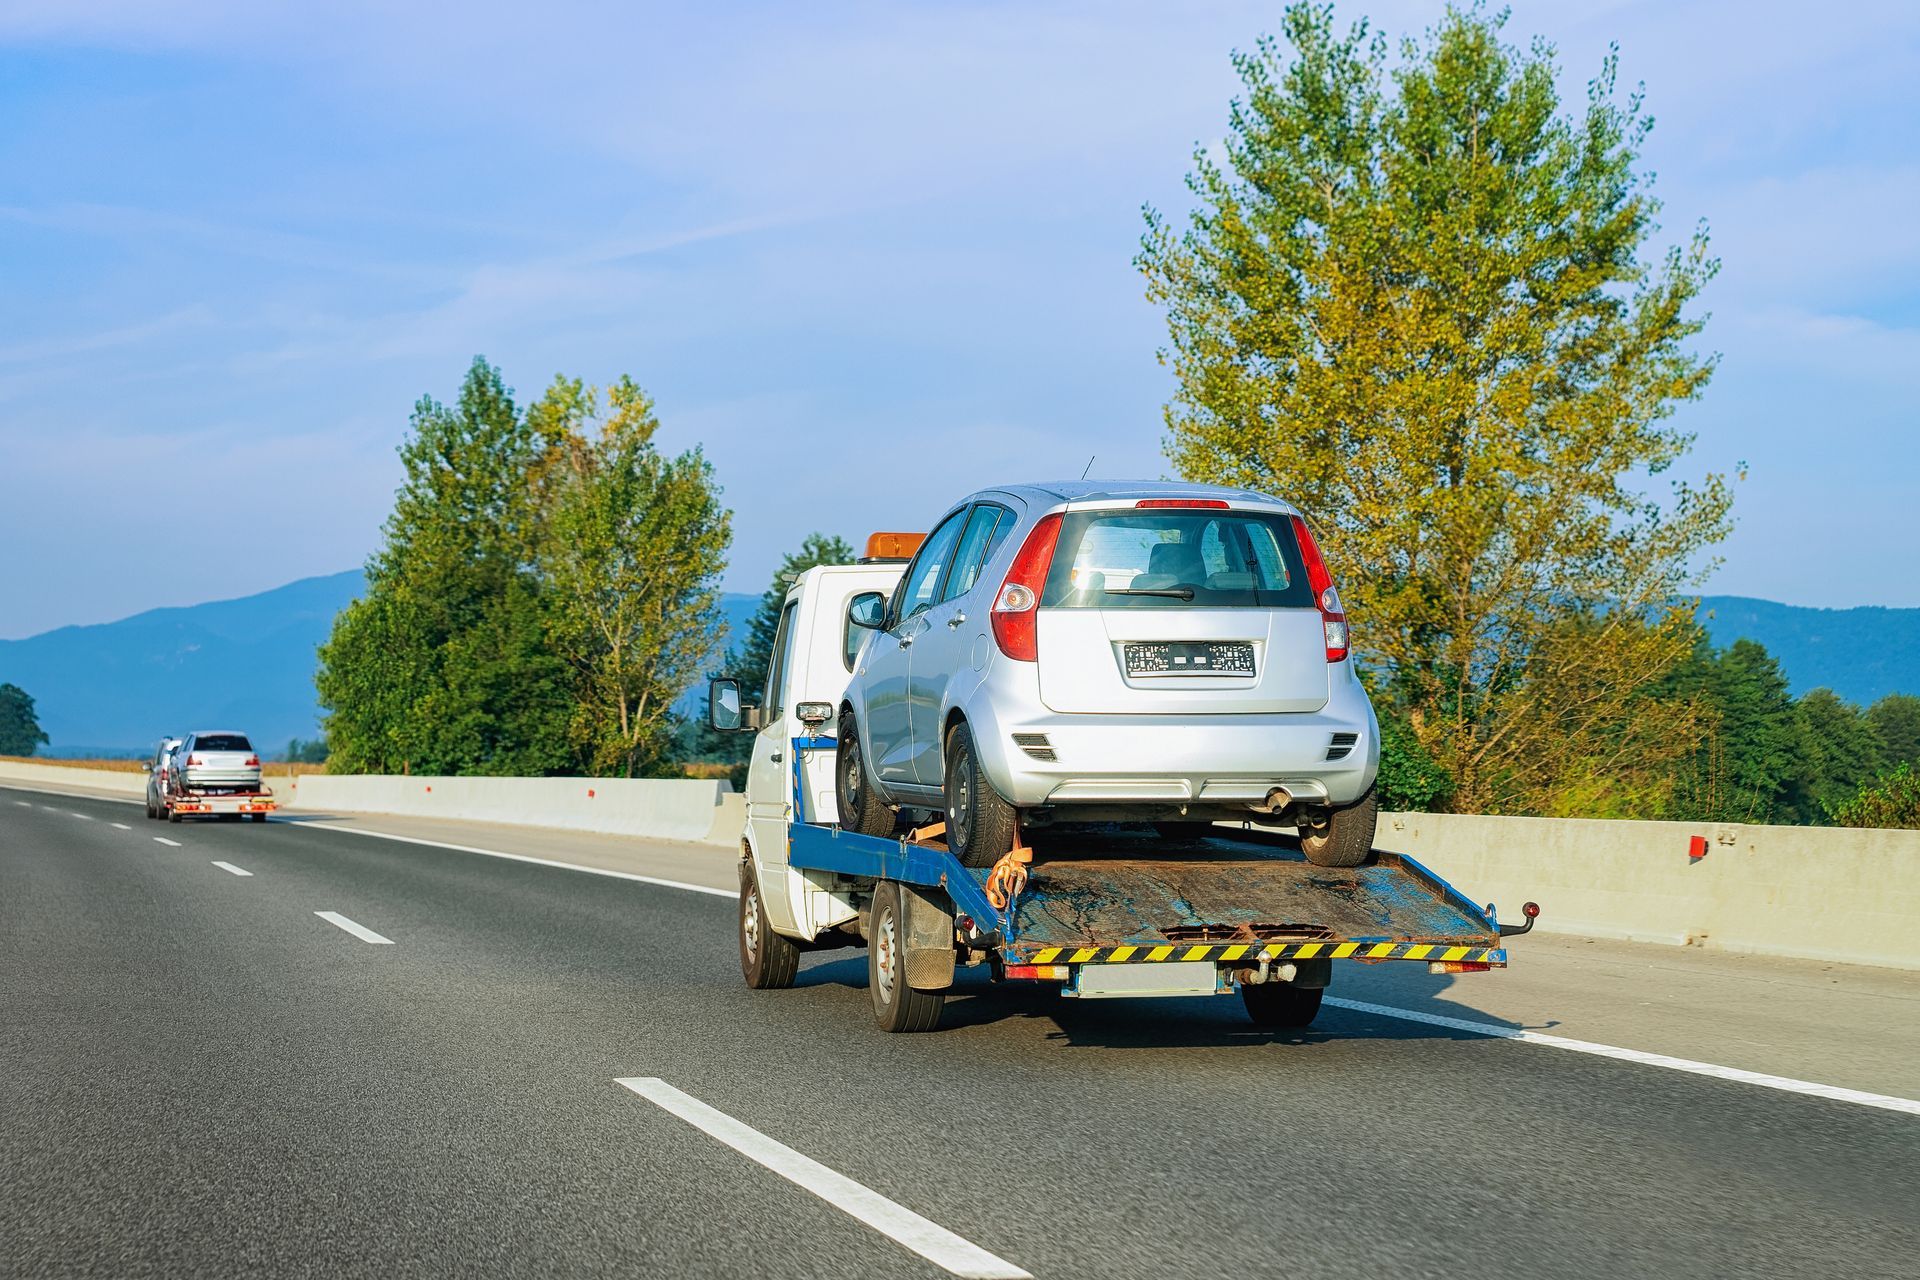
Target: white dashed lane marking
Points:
(359, 931)
(228, 866)
(171, 844)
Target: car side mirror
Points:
(869, 610)
(146, 766)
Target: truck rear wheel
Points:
(980, 823)
(860, 807)
(768, 960)
(1281, 1004)
(1347, 838)
(173, 815)
(896, 1006)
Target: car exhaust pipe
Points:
(1277, 799)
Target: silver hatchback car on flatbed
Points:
(1088, 652)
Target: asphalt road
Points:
(199, 1075)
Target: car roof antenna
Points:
(1090, 461)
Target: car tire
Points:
(151, 815)
(1280, 1005)
(1347, 839)
(981, 824)
(861, 808)
(896, 1006)
(768, 961)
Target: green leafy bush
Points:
(1893, 801)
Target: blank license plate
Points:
(1167, 978)
(1190, 658)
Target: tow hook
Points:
(1529, 910)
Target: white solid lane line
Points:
(928, 1239)
(359, 931)
(171, 844)
(545, 862)
(228, 866)
(120, 826)
(1786, 1084)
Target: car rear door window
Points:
(977, 545)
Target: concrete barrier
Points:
(655, 808)
(1818, 893)
(108, 781)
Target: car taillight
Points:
(193, 760)
(1325, 597)
(1016, 609)
(253, 762)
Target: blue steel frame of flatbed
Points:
(813, 846)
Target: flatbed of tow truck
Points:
(1111, 912)
(191, 804)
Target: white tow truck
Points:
(1103, 912)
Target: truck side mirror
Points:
(724, 709)
(868, 609)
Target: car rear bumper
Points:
(220, 778)
(1217, 763)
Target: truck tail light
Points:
(1325, 597)
(1016, 609)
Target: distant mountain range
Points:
(113, 689)
(247, 664)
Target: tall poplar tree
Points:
(1417, 299)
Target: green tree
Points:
(20, 732)
(1896, 722)
(1745, 765)
(631, 544)
(443, 666)
(1838, 754)
(1415, 301)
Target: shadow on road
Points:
(1186, 1022)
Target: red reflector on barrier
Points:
(1696, 847)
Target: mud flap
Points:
(928, 926)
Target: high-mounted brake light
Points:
(1016, 609)
(1211, 504)
(1325, 598)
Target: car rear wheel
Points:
(896, 1006)
(768, 960)
(981, 825)
(861, 809)
(1347, 838)
(1281, 1004)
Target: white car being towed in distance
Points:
(1088, 652)
(217, 760)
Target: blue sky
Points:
(870, 256)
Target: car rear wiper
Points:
(1171, 593)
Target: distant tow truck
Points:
(179, 801)
(1104, 913)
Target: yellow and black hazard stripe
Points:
(1254, 952)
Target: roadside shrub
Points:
(1892, 801)
(1410, 778)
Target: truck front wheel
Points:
(1346, 838)
(860, 808)
(768, 960)
(896, 1006)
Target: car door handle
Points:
(956, 619)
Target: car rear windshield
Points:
(222, 742)
(1176, 559)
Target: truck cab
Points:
(815, 649)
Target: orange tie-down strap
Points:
(1008, 879)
